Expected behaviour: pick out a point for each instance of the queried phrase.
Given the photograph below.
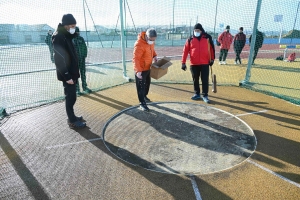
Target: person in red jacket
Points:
(239, 42)
(143, 55)
(202, 54)
(225, 40)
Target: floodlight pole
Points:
(253, 39)
(173, 21)
(295, 21)
(122, 33)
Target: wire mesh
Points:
(28, 77)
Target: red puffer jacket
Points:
(225, 39)
(200, 53)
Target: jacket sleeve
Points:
(60, 57)
(220, 38)
(212, 48)
(138, 52)
(186, 51)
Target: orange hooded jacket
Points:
(143, 54)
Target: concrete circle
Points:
(180, 138)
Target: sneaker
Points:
(196, 97)
(224, 63)
(236, 62)
(77, 124)
(147, 99)
(220, 63)
(144, 107)
(205, 99)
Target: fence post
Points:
(253, 39)
(123, 41)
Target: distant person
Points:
(239, 42)
(202, 54)
(81, 50)
(143, 55)
(258, 43)
(225, 39)
(66, 62)
(48, 41)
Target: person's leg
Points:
(82, 73)
(238, 58)
(221, 55)
(147, 81)
(70, 99)
(51, 53)
(204, 79)
(254, 54)
(225, 54)
(195, 71)
(140, 87)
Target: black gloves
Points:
(183, 67)
(211, 63)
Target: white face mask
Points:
(150, 42)
(72, 30)
(197, 34)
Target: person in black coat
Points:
(48, 41)
(239, 42)
(66, 61)
(258, 43)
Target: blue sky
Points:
(235, 13)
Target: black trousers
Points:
(237, 55)
(203, 72)
(143, 86)
(70, 96)
(81, 65)
(255, 53)
(223, 54)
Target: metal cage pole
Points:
(253, 40)
(123, 41)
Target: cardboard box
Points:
(160, 68)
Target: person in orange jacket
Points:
(143, 55)
(225, 40)
(202, 54)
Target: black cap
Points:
(68, 19)
(241, 28)
(198, 26)
(227, 27)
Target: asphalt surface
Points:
(41, 158)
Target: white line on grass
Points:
(195, 187)
(68, 144)
(251, 113)
(275, 174)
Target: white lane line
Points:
(251, 113)
(275, 174)
(68, 144)
(195, 187)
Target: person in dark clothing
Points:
(66, 62)
(258, 43)
(239, 42)
(202, 54)
(81, 50)
(48, 41)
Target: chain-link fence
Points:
(27, 73)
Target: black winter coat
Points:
(65, 55)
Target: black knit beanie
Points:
(198, 26)
(68, 19)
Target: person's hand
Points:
(155, 59)
(139, 75)
(71, 82)
(183, 67)
(211, 63)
